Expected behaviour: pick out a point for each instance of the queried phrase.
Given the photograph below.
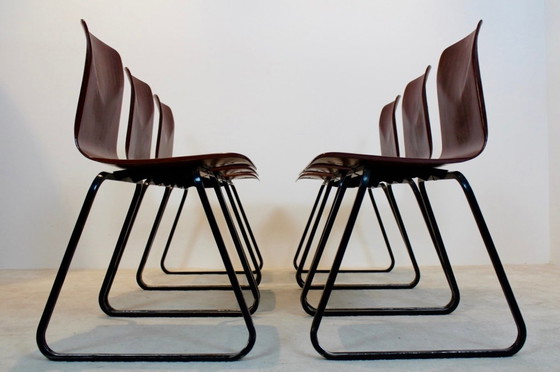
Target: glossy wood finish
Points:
(462, 117)
(166, 130)
(417, 133)
(99, 107)
(388, 129)
(140, 119)
(330, 169)
(99, 110)
(461, 103)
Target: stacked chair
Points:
(96, 130)
(464, 134)
(332, 176)
(418, 144)
(164, 148)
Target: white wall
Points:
(280, 81)
(553, 78)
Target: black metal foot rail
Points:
(242, 221)
(322, 310)
(244, 311)
(112, 270)
(447, 308)
(299, 262)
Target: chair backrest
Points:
(388, 129)
(166, 131)
(99, 106)
(417, 134)
(461, 103)
(140, 119)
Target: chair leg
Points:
(300, 270)
(297, 258)
(383, 232)
(172, 233)
(41, 335)
(424, 354)
(398, 219)
(245, 230)
(433, 229)
(337, 261)
(119, 250)
(248, 227)
(111, 273)
(386, 311)
(140, 271)
(42, 328)
(244, 309)
(251, 280)
(307, 307)
(148, 357)
(139, 274)
(497, 264)
(253, 251)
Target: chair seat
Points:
(393, 168)
(208, 161)
(356, 160)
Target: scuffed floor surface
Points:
(283, 342)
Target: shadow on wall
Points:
(278, 235)
(31, 207)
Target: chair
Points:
(164, 148)
(96, 129)
(464, 134)
(140, 129)
(332, 177)
(138, 144)
(415, 118)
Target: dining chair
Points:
(96, 135)
(331, 177)
(415, 118)
(164, 148)
(139, 134)
(463, 125)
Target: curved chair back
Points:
(140, 119)
(417, 134)
(461, 103)
(166, 131)
(388, 129)
(99, 107)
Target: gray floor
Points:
(283, 328)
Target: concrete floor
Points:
(282, 327)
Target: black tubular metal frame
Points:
(444, 261)
(322, 309)
(244, 311)
(252, 284)
(251, 246)
(312, 225)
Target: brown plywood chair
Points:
(464, 134)
(331, 178)
(96, 131)
(164, 148)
